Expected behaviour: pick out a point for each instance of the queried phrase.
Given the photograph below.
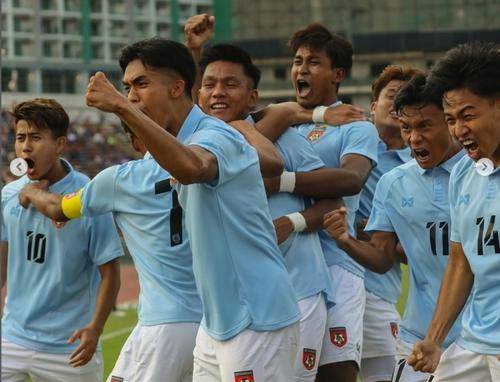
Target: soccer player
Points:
(250, 315)
(319, 66)
(411, 206)
(381, 319)
(229, 91)
(468, 77)
(62, 279)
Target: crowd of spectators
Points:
(92, 146)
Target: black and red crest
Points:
(338, 336)
(244, 376)
(394, 329)
(309, 358)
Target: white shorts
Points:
(343, 339)
(312, 331)
(20, 363)
(151, 353)
(460, 365)
(380, 330)
(247, 357)
(404, 372)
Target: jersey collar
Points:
(447, 166)
(191, 123)
(66, 180)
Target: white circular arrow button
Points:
(18, 167)
(484, 167)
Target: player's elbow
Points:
(271, 167)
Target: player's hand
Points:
(343, 114)
(335, 223)
(272, 185)
(26, 192)
(102, 95)
(198, 30)
(284, 227)
(89, 337)
(425, 356)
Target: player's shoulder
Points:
(13, 188)
(365, 126)
(80, 179)
(402, 171)
(463, 167)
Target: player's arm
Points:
(274, 119)
(187, 164)
(197, 31)
(46, 203)
(455, 289)
(308, 220)
(106, 297)
(377, 255)
(271, 163)
(326, 182)
(4, 250)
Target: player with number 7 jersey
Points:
(145, 207)
(411, 206)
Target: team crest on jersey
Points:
(114, 378)
(394, 329)
(317, 132)
(244, 376)
(338, 336)
(309, 358)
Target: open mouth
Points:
(219, 106)
(30, 162)
(421, 154)
(471, 147)
(303, 88)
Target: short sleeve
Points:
(105, 244)
(362, 139)
(98, 195)
(231, 150)
(379, 219)
(299, 152)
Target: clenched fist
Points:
(198, 30)
(102, 95)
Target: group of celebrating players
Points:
(268, 245)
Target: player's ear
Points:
(177, 87)
(373, 106)
(254, 97)
(61, 143)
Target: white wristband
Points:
(287, 182)
(319, 114)
(298, 221)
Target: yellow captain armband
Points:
(71, 205)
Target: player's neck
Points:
(455, 148)
(391, 137)
(329, 100)
(56, 173)
(178, 115)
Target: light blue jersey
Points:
(302, 251)
(148, 213)
(239, 270)
(413, 203)
(332, 143)
(475, 223)
(388, 285)
(52, 273)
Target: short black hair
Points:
(230, 53)
(415, 93)
(317, 37)
(161, 53)
(44, 113)
(474, 66)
